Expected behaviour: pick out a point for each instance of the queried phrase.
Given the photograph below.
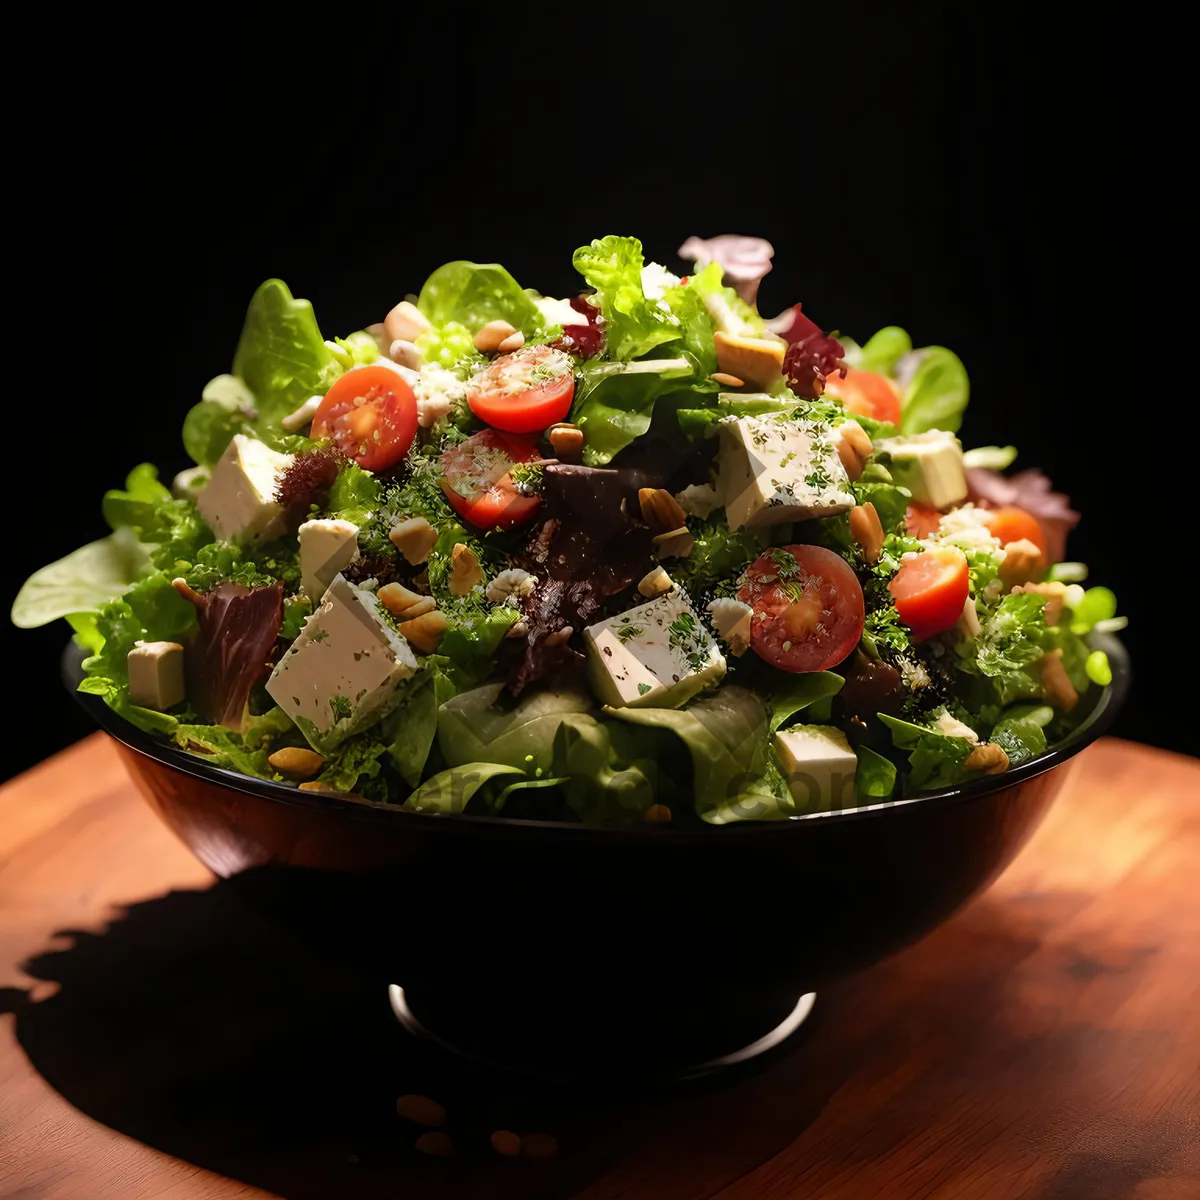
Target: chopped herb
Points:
(629, 632)
(340, 707)
(644, 688)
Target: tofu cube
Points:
(239, 500)
(819, 767)
(776, 469)
(343, 672)
(657, 655)
(326, 546)
(930, 465)
(156, 675)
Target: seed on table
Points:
(539, 1145)
(505, 1142)
(438, 1144)
(421, 1110)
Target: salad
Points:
(638, 554)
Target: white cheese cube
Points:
(239, 501)
(326, 546)
(930, 465)
(155, 674)
(819, 767)
(343, 672)
(657, 655)
(776, 469)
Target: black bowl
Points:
(565, 948)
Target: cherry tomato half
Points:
(808, 607)
(371, 416)
(524, 392)
(931, 589)
(1011, 524)
(867, 394)
(476, 479)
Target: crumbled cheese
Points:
(438, 391)
(950, 726)
(699, 499)
(655, 281)
(510, 584)
(559, 312)
(731, 620)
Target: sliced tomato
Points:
(921, 520)
(1012, 524)
(370, 414)
(931, 589)
(808, 607)
(524, 392)
(867, 394)
(476, 479)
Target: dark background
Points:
(964, 175)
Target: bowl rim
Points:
(1094, 725)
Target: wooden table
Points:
(165, 1041)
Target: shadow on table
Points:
(198, 1026)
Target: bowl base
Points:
(565, 1047)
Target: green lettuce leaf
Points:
(608, 771)
(726, 309)
(614, 402)
(874, 776)
(355, 494)
(718, 554)
(790, 694)
(633, 325)
(281, 356)
(937, 394)
(1012, 635)
(472, 294)
(934, 760)
(471, 642)
(135, 506)
(84, 581)
(410, 730)
(884, 349)
(451, 790)
(226, 407)
(725, 733)
(355, 763)
(1020, 738)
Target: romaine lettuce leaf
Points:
(226, 407)
(614, 402)
(633, 325)
(1020, 738)
(472, 294)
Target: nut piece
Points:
(660, 510)
(465, 571)
(420, 1110)
(518, 629)
(492, 334)
(436, 1143)
(657, 814)
(988, 759)
(866, 530)
(727, 380)
(297, 762)
(566, 439)
(560, 637)
(425, 632)
(406, 322)
(505, 1142)
(655, 583)
(1060, 691)
(406, 354)
(414, 538)
(675, 543)
(853, 447)
(539, 1145)
(731, 619)
(514, 341)
(397, 599)
(314, 785)
(756, 360)
(511, 582)
(1022, 561)
(1055, 594)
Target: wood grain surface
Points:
(164, 1040)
